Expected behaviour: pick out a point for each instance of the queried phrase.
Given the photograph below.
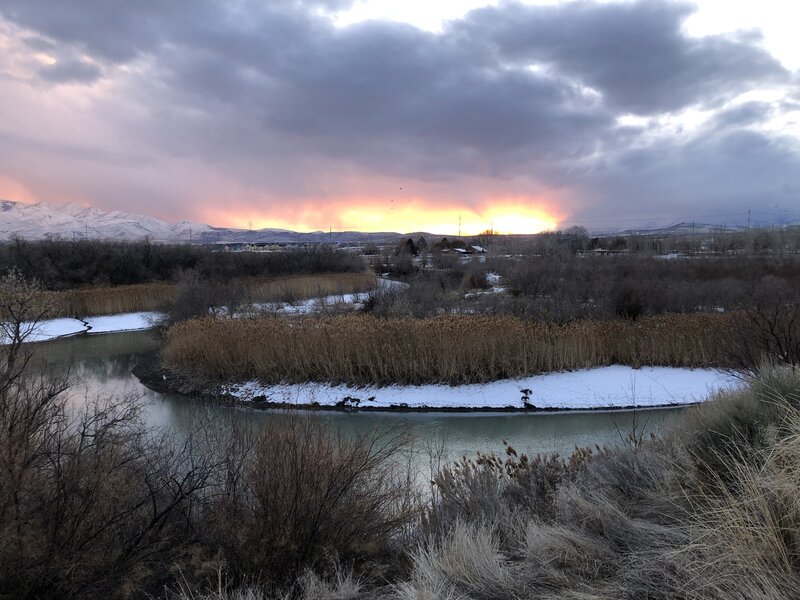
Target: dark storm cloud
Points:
(635, 53)
(749, 113)
(716, 178)
(271, 91)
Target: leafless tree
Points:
(769, 330)
(24, 305)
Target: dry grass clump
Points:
(342, 585)
(301, 287)
(637, 521)
(361, 349)
(110, 300)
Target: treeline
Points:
(759, 241)
(630, 286)
(566, 287)
(61, 265)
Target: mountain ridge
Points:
(42, 220)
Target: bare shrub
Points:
(86, 499)
(770, 329)
(303, 495)
(93, 504)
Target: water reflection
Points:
(101, 367)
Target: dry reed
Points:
(301, 287)
(360, 349)
(110, 300)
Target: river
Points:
(100, 366)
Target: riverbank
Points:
(614, 387)
(53, 329)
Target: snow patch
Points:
(53, 329)
(605, 387)
(57, 328)
(123, 322)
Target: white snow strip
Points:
(313, 305)
(390, 284)
(122, 322)
(605, 387)
(54, 328)
(57, 328)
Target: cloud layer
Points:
(267, 112)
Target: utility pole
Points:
(748, 217)
(330, 235)
(459, 225)
(190, 236)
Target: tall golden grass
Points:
(157, 296)
(110, 300)
(360, 349)
(301, 287)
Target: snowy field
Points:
(605, 387)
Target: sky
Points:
(405, 115)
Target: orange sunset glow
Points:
(513, 216)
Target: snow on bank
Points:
(123, 322)
(605, 387)
(313, 305)
(58, 328)
(52, 329)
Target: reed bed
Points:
(92, 302)
(361, 349)
(301, 287)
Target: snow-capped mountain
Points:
(71, 221)
(74, 222)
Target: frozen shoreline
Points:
(59, 328)
(599, 388)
